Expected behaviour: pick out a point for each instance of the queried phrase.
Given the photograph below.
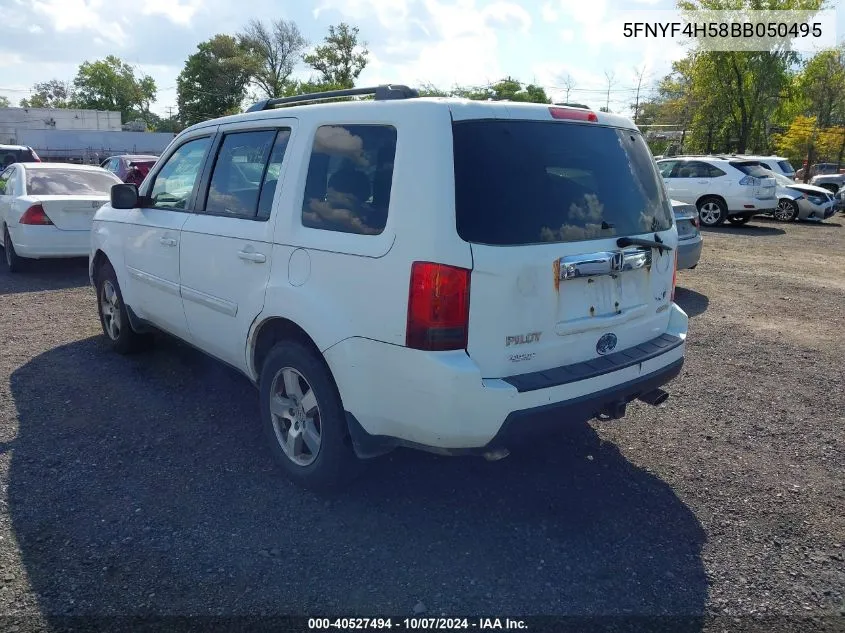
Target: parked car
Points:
(689, 234)
(797, 201)
(839, 197)
(720, 188)
(17, 154)
(776, 164)
(46, 209)
(831, 182)
(443, 274)
(819, 169)
(128, 166)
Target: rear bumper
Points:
(751, 205)
(526, 425)
(37, 242)
(689, 252)
(438, 401)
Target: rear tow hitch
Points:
(654, 398)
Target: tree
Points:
(507, 89)
(750, 84)
(276, 50)
(213, 81)
(50, 94)
(111, 84)
(4, 102)
(340, 59)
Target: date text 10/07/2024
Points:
(419, 623)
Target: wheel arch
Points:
(702, 199)
(97, 262)
(267, 333)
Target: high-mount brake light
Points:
(574, 114)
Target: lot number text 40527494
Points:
(417, 623)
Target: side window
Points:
(666, 167)
(682, 170)
(4, 182)
(175, 182)
(349, 179)
(714, 172)
(245, 174)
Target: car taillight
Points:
(438, 307)
(750, 181)
(675, 274)
(697, 221)
(574, 114)
(35, 215)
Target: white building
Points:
(86, 136)
(13, 119)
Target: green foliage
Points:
(4, 102)
(507, 89)
(111, 84)
(340, 59)
(214, 79)
(50, 94)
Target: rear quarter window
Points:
(752, 169)
(350, 175)
(532, 182)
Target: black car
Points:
(17, 154)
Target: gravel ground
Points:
(142, 485)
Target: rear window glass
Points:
(752, 169)
(529, 182)
(786, 167)
(66, 182)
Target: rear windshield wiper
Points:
(657, 243)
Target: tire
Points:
(739, 220)
(297, 391)
(786, 211)
(114, 318)
(712, 211)
(14, 262)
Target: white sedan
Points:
(46, 209)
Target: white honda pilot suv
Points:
(450, 275)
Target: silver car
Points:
(689, 235)
(797, 201)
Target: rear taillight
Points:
(35, 215)
(697, 221)
(438, 307)
(573, 114)
(750, 181)
(674, 274)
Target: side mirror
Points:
(124, 196)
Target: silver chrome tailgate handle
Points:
(603, 263)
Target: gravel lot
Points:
(142, 485)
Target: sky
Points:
(413, 42)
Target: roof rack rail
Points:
(385, 92)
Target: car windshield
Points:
(68, 182)
(786, 167)
(530, 182)
(779, 178)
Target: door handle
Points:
(167, 241)
(252, 256)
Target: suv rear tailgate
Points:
(543, 204)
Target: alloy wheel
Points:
(296, 416)
(110, 307)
